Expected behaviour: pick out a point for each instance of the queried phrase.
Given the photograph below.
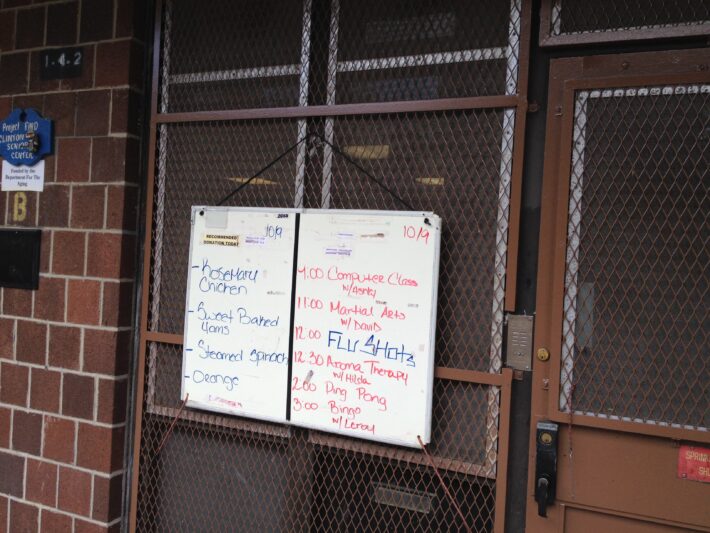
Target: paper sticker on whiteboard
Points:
(238, 315)
(364, 323)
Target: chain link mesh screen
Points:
(229, 474)
(276, 53)
(222, 473)
(578, 16)
(636, 293)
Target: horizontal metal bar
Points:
(630, 427)
(469, 376)
(236, 74)
(167, 338)
(443, 104)
(422, 60)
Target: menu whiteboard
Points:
(364, 322)
(319, 318)
(238, 311)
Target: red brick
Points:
(44, 391)
(114, 159)
(68, 258)
(5, 103)
(73, 159)
(100, 448)
(44, 251)
(62, 27)
(49, 299)
(122, 208)
(112, 401)
(54, 206)
(41, 484)
(4, 203)
(84, 301)
(107, 498)
(12, 478)
(64, 347)
(24, 204)
(13, 384)
(78, 396)
(117, 304)
(3, 513)
(125, 108)
(106, 352)
(7, 336)
(118, 63)
(16, 3)
(5, 421)
(86, 79)
(17, 302)
(60, 107)
(59, 438)
(96, 20)
(23, 517)
(13, 73)
(27, 432)
(31, 342)
(27, 33)
(88, 206)
(7, 34)
(50, 164)
(55, 522)
(111, 255)
(74, 491)
(34, 101)
(92, 112)
(37, 84)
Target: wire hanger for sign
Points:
(336, 150)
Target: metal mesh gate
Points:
(636, 289)
(422, 95)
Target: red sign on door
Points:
(694, 463)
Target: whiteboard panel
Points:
(364, 324)
(238, 312)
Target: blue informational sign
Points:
(25, 137)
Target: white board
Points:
(238, 312)
(364, 324)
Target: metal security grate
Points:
(234, 54)
(309, 481)
(578, 16)
(238, 86)
(636, 289)
(448, 162)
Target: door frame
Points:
(566, 77)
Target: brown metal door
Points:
(623, 299)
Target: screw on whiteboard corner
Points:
(202, 212)
(426, 221)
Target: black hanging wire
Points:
(335, 149)
(265, 168)
(362, 169)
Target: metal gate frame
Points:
(567, 77)
(515, 104)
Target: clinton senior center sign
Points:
(25, 139)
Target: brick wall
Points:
(65, 348)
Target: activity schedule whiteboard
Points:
(319, 318)
(238, 311)
(364, 321)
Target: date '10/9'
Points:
(273, 232)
